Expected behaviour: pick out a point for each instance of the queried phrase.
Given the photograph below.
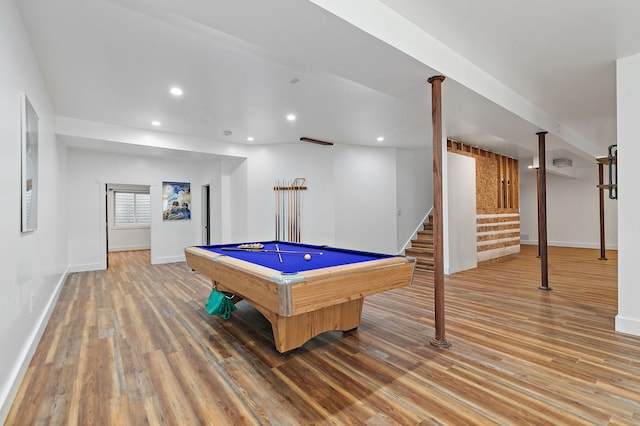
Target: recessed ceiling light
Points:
(380, 138)
(176, 91)
(250, 139)
(291, 117)
(156, 123)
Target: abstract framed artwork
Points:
(176, 201)
(29, 155)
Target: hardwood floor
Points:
(133, 345)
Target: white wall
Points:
(364, 190)
(350, 201)
(235, 201)
(628, 104)
(414, 195)
(267, 165)
(461, 213)
(573, 210)
(361, 181)
(32, 265)
(218, 176)
(89, 171)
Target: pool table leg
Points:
(292, 332)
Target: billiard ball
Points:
(307, 256)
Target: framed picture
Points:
(176, 201)
(29, 124)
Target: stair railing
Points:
(420, 227)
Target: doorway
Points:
(128, 218)
(206, 215)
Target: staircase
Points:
(422, 247)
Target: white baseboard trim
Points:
(129, 248)
(168, 259)
(86, 267)
(628, 325)
(569, 244)
(10, 389)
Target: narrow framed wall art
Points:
(29, 167)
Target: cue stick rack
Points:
(288, 206)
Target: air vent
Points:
(562, 162)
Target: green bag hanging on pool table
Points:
(219, 304)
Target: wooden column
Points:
(538, 185)
(542, 213)
(440, 339)
(603, 253)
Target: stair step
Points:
(419, 251)
(425, 260)
(422, 247)
(424, 268)
(422, 244)
(424, 265)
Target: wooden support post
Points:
(538, 185)
(440, 339)
(542, 214)
(603, 253)
(499, 182)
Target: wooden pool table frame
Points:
(301, 306)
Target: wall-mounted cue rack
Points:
(289, 209)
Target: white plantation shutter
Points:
(143, 208)
(132, 208)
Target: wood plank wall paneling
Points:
(498, 235)
(497, 197)
(132, 345)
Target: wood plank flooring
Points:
(133, 345)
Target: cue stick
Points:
(280, 211)
(295, 213)
(289, 223)
(279, 254)
(297, 201)
(284, 230)
(276, 207)
(271, 251)
(298, 194)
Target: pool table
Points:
(301, 298)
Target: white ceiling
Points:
(113, 61)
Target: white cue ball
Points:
(307, 256)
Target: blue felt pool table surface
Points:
(292, 255)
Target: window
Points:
(132, 208)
